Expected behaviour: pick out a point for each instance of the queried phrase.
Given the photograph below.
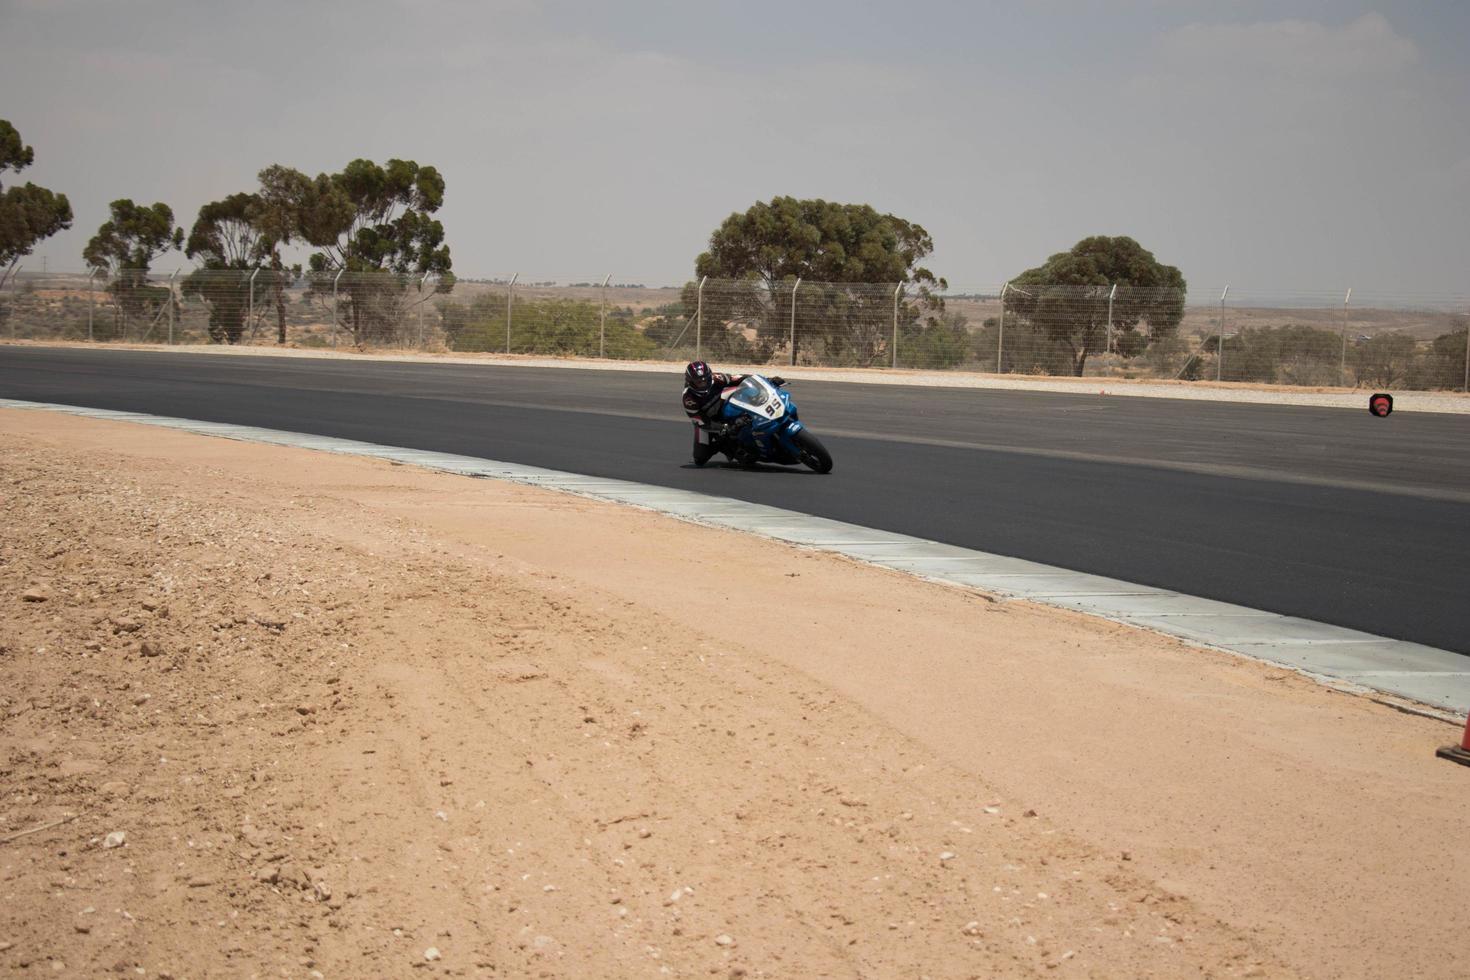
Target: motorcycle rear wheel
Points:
(812, 453)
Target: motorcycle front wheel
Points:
(811, 452)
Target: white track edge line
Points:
(1434, 678)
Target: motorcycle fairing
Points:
(760, 398)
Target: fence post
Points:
(602, 329)
(896, 291)
(793, 320)
(334, 305)
(1466, 386)
(422, 300)
(1220, 338)
(91, 301)
(699, 318)
(250, 316)
(1111, 293)
(14, 278)
(510, 295)
(1000, 337)
(171, 306)
(1342, 370)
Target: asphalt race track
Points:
(1321, 513)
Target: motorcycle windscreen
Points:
(758, 398)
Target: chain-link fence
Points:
(1018, 327)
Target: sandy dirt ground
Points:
(266, 712)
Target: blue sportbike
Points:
(758, 424)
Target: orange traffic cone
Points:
(1458, 753)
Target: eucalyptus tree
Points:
(1067, 299)
(28, 214)
(835, 250)
(124, 249)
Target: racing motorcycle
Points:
(758, 424)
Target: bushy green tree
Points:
(28, 214)
(1067, 298)
(818, 241)
(936, 345)
(124, 249)
(1443, 364)
(1385, 360)
(1025, 348)
(478, 325)
(372, 223)
(280, 219)
(826, 245)
(1290, 354)
(228, 243)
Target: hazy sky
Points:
(1294, 146)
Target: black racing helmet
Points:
(698, 376)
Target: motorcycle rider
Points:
(702, 390)
(702, 402)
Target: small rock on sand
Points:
(34, 595)
(724, 939)
(115, 839)
(114, 787)
(270, 621)
(151, 649)
(432, 953)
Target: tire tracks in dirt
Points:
(357, 746)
